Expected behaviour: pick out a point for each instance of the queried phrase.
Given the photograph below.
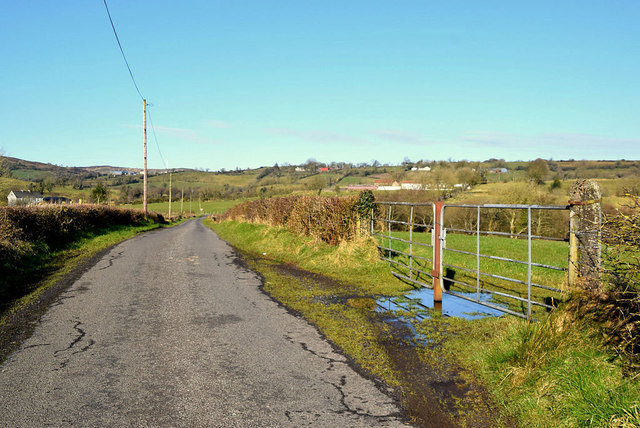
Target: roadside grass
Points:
(557, 372)
(354, 262)
(44, 269)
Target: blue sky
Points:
(251, 83)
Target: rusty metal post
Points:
(411, 243)
(586, 219)
(436, 273)
(389, 239)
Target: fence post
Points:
(436, 273)
(372, 221)
(411, 243)
(585, 233)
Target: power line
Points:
(153, 131)
(121, 50)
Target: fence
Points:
(511, 271)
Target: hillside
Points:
(488, 180)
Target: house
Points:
(387, 185)
(300, 169)
(426, 168)
(22, 197)
(324, 169)
(410, 185)
(498, 170)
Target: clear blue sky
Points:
(251, 83)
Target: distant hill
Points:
(34, 171)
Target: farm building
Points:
(22, 197)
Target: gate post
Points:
(436, 273)
(585, 233)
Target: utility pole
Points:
(182, 202)
(144, 138)
(169, 192)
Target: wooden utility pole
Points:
(170, 194)
(182, 202)
(144, 138)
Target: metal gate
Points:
(518, 271)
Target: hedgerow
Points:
(330, 219)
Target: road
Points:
(169, 329)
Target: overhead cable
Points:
(121, 50)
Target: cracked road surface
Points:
(168, 329)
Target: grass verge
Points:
(355, 262)
(558, 372)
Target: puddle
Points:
(420, 302)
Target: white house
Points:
(16, 197)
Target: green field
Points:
(193, 207)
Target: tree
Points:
(318, 182)
(468, 177)
(100, 193)
(537, 170)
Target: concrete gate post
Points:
(585, 233)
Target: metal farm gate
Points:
(461, 250)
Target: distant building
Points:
(361, 187)
(118, 172)
(410, 185)
(498, 170)
(425, 168)
(300, 169)
(56, 200)
(324, 169)
(22, 197)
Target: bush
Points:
(332, 219)
(619, 302)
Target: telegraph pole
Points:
(182, 202)
(144, 138)
(170, 172)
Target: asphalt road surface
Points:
(169, 330)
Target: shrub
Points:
(330, 219)
(619, 302)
